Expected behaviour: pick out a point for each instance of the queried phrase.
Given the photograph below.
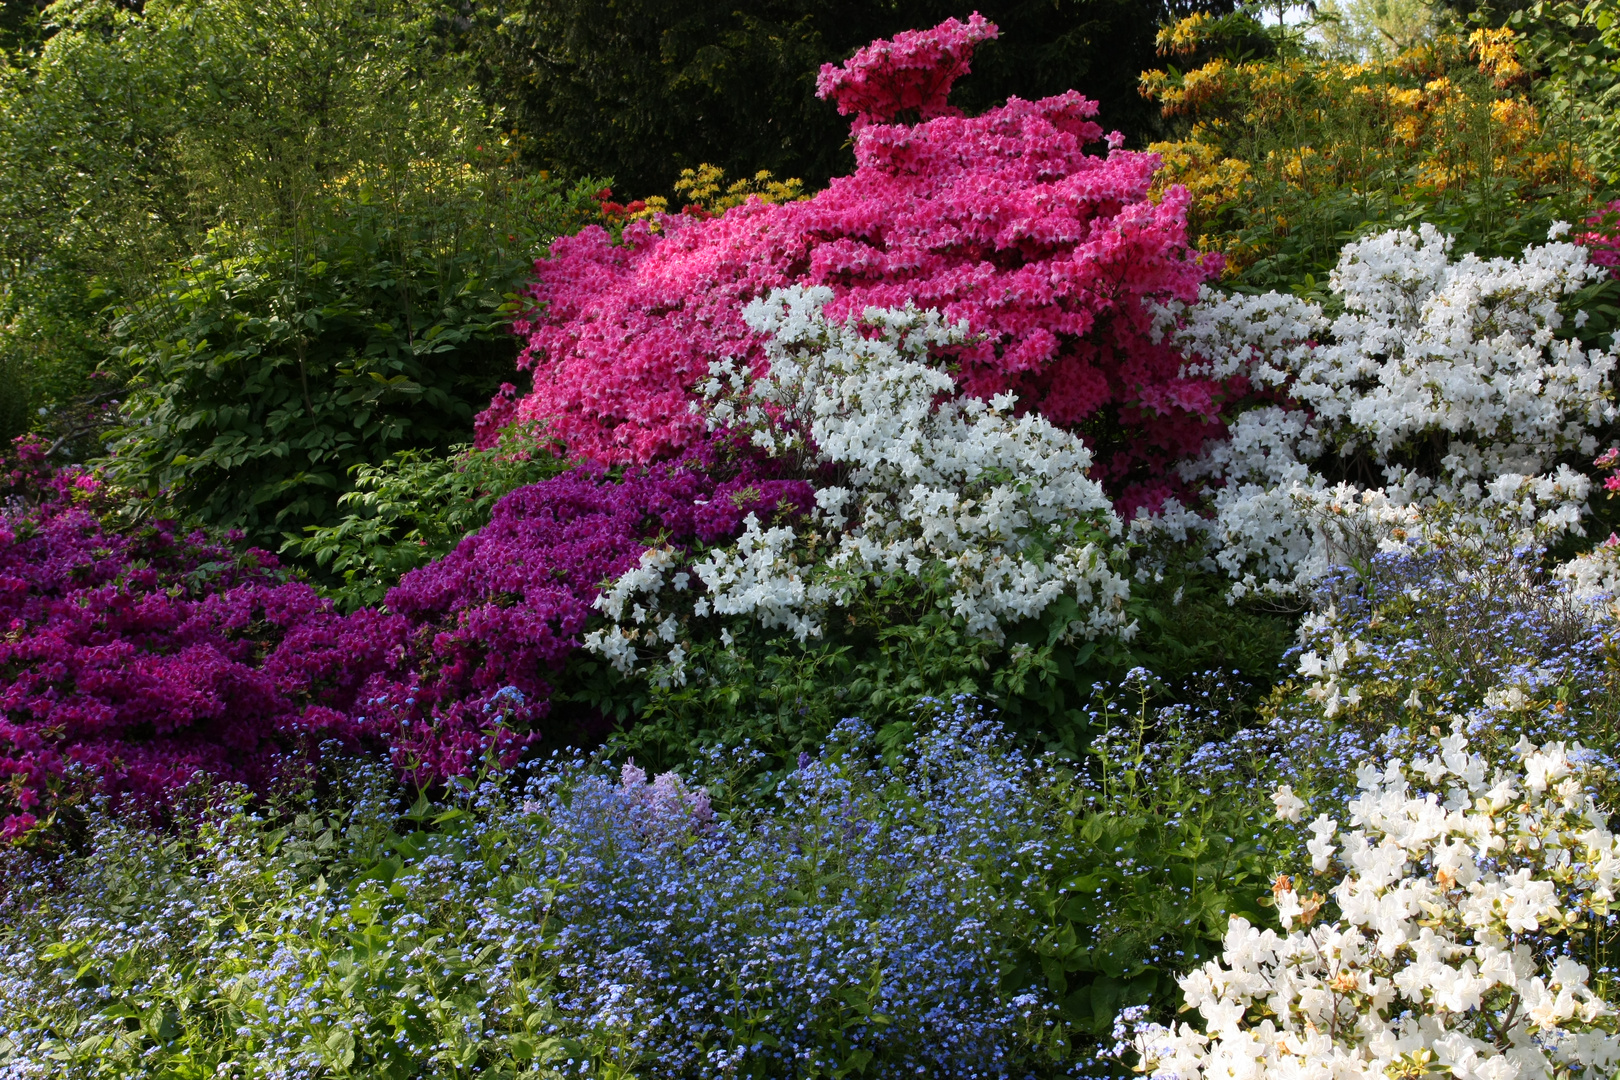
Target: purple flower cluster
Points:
(134, 657)
(490, 621)
(141, 655)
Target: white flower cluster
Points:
(1594, 574)
(1446, 956)
(1441, 380)
(927, 484)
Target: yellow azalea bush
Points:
(1286, 154)
(706, 186)
(704, 191)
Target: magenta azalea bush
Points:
(145, 655)
(133, 658)
(1050, 253)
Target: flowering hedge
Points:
(135, 657)
(1003, 221)
(145, 654)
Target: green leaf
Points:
(340, 1047)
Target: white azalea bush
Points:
(990, 512)
(1449, 380)
(1462, 892)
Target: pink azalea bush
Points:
(132, 658)
(912, 73)
(1049, 252)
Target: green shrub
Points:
(261, 376)
(136, 130)
(1577, 47)
(1155, 845)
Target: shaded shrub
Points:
(736, 87)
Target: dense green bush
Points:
(135, 131)
(1577, 47)
(15, 395)
(260, 376)
(1157, 845)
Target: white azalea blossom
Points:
(1595, 573)
(1456, 884)
(1288, 804)
(1445, 378)
(927, 484)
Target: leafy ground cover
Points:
(1029, 608)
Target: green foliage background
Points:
(639, 90)
(299, 136)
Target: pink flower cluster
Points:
(1610, 459)
(131, 659)
(1602, 240)
(912, 73)
(1050, 253)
